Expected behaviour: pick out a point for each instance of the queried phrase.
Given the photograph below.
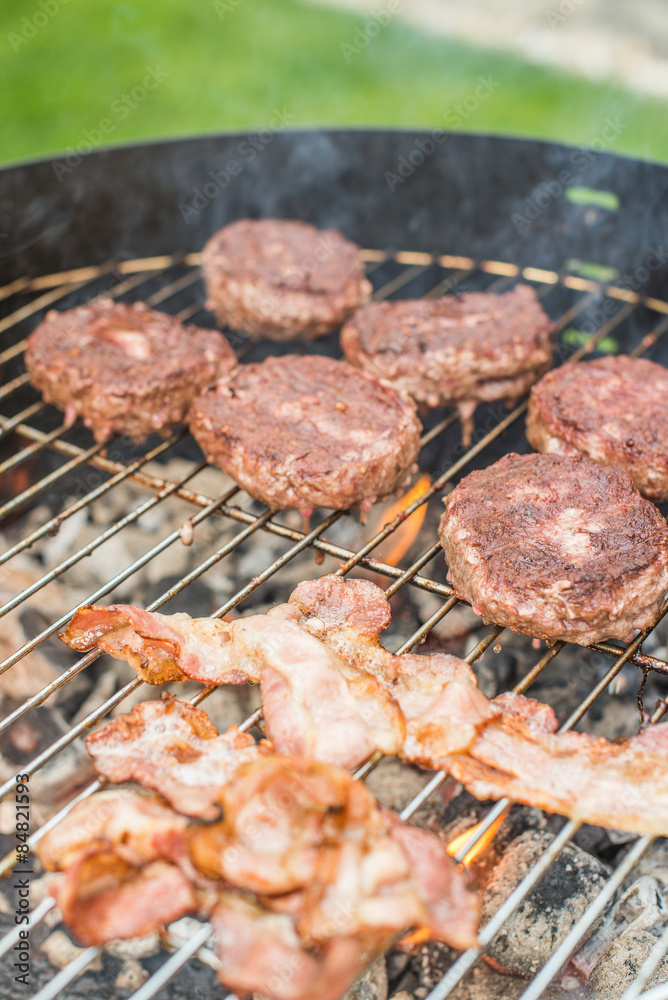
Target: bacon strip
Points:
(138, 827)
(261, 953)
(331, 691)
(276, 813)
(448, 907)
(161, 648)
(311, 878)
(315, 704)
(104, 898)
(123, 856)
(292, 826)
(172, 748)
(506, 747)
(621, 785)
(437, 694)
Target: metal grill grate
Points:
(30, 434)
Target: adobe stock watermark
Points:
(119, 109)
(598, 315)
(268, 305)
(225, 7)
(32, 24)
(247, 150)
(372, 27)
(548, 191)
(557, 15)
(453, 117)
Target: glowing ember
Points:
(397, 545)
(486, 838)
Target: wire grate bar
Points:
(42, 695)
(49, 480)
(610, 674)
(9, 387)
(409, 574)
(275, 566)
(53, 525)
(176, 286)
(120, 289)
(66, 975)
(447, 284)
(437, 485)
(591, 914)
(14, 287)
(426, 628)
(648, 968)
(94, 717)
(103, 537)
(36, 918)
(40, 303)
(401, 279)
(423, 795)
(173, 965)
(484, 643)
(414, 266)
(467, 960)
(8, 424)
(25, 453)
(657, 993)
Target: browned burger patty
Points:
(125, 369)
(306, 432)
(283, 279)
(614, 409)
(556, 547)
(458, 349)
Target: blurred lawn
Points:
(231, 72)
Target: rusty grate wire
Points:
(168, 282)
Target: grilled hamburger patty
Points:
(614, 409)
(125, 369)
(458, 349)
(556, 547)
(305, 432)
(282, 279)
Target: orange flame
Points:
(406, 533)
(486, 838)
(415, 938)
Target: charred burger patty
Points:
(614, 409)
(557, 548)
(125, 369)
(308, 431)
(458, 349)
(283, 279)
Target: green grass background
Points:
(230, 73)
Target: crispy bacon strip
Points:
(330, 690)
(139, 827)
(276, 813)
(621, 784)
(507, 747)
(292, 826)
(312, 879)
(315, 704)
(437, 694)
(261, 953)
(104, 898)
(124, 857)
(172, 748)
(161, 648)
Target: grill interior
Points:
(42, 460)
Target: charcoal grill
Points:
(120, 223)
